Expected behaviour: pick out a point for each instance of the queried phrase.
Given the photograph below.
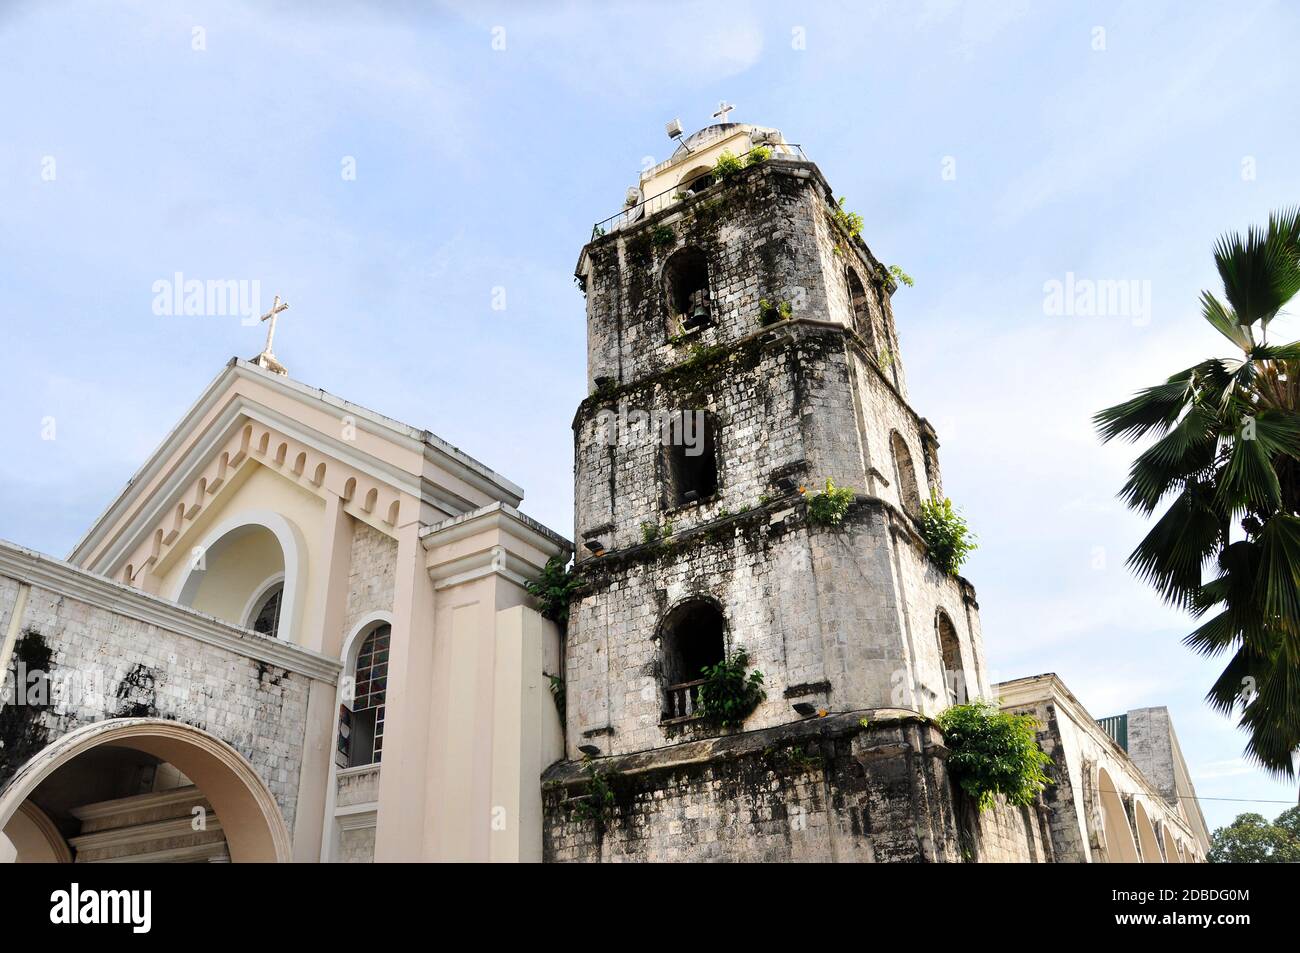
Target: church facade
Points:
(302, 632)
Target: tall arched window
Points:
(361, 728)
(905, 472)
(954, 676)
(693, 636)
(861, 312)
(686, 289)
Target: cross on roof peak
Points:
(267, 358)
(724, 107)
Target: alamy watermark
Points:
(1098, 298)
(678, 428)
(193, 297)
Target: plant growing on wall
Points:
(994, 752)
(728, 164)
(829, 507)
(851, 222)
(554, 589)
(771, 313)
(757, 155)
(557, 693)
(597, 799)
(663, 236)
(728, 696)
(946, 534)
(900, 276)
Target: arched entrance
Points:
(1120, 847)
(208, 769)
(1172, 854)
(1146, 835)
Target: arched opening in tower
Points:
(693, 638)
(861, 312)
(686, 286)
(954, 675)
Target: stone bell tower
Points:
(741, 352)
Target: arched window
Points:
(361, 727)
(691, 461)
(686, 289)
(265, 617)
(693, 636)
(954, 676)
(861, 311)
(905, 472)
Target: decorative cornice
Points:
(497, 559)
(494, 516)
(431, 448)
(58, 576)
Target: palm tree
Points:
(1228, 454)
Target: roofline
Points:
(48, 572)
(1057, 691)
(435, 449)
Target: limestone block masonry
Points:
(748, 309)
(108, 651)
(828, 790)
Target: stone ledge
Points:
(45, 572)
(567, 774)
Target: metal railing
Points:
(781, 151)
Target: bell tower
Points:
(741, 352)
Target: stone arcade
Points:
(301, 632)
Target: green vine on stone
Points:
(554, 589)
(769, 313)
(663, 236)
(900, 276)
(597, 799)
(851, 222)
(946, 534)
(728, 696)
(557, 693)
(992, 752)
(829, 507)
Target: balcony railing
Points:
(642, 210)
(682, 701)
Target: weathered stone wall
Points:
(103, 664)
(357, 846)
(820, 790)
(1006, 834)
(1079, 748)
(767, 234)
(371, 574)
(840, 617)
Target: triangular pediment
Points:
(251, 423)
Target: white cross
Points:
(276, 308)
(724, 107)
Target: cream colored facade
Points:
(279, 505)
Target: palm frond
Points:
(1277, 582)
(1223, 320)
(1153, 408)
(1173, 553)
(1261, 271)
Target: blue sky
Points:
(1107, 141)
